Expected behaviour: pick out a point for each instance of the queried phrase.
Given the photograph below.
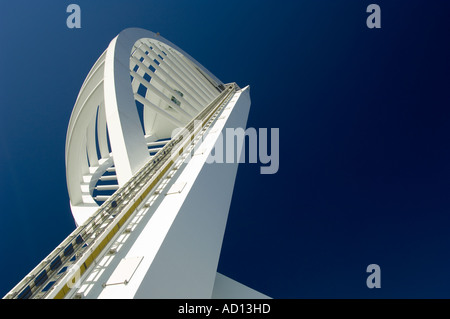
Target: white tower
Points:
(150, 207)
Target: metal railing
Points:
(86, 242)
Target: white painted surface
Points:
(124, 271)
(179, 235)
(227, 288)
(176, 188)
(186, 263)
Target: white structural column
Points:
(191, 223)
(126, 137)
(101, 132)
(91, 147)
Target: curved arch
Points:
(108, 139)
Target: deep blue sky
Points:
(364, 123)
